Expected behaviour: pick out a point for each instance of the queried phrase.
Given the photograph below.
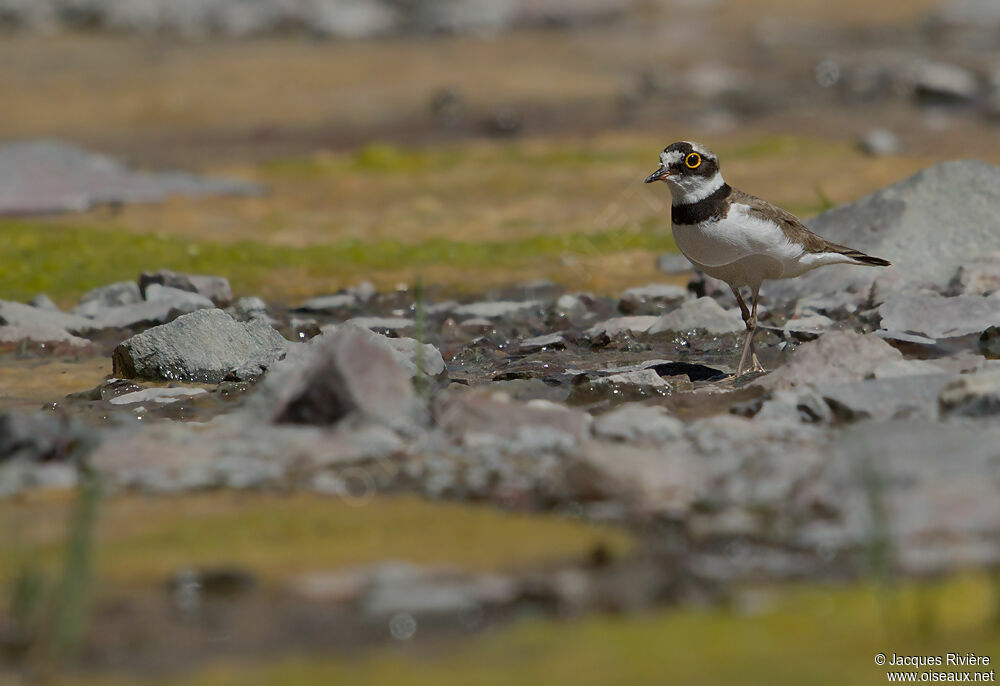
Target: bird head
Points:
(688, 168)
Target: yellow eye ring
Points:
(693, 160)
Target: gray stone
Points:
(880, 142)
(632, 423)
(162, 304)
(903, 223)
(383, 323)
(927, 489)
(19, 314)
(42, 334)
(800, 405)
(464, 415)
(835, 356)
(551, 341)
(703, 314)
(650, 299)
(935, 316)
(51, 176)
(330, 303)
(618, 325)
(807, 328)
(902, 397)
(649, 480)
(93, 303)
(215, 288)
(430, 360)
(976, 277)
(400, 588)
(340, 373)
(972, 395)
(44, 437)
(205, 346)
(249, 307)
(44, 302)
(941, 83)
(495, 310)
(673, 263)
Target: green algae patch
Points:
(65, 261)
(824, 636)
(146, 539)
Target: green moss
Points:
(64, 261)
(807, 635)
(146, 539)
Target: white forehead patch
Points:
(668, 158)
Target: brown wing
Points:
(796, 231)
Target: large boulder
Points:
(205, 346)
(927, 225)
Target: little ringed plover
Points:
(738, 238)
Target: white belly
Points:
(740, 249)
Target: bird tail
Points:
(861, 258)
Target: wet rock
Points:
(703, 314)
(972, 395)
(51, 176)
(215, 288)
(651, 299)
(496, 310)
(551, 341)
(618, 325)
(835, 356)
(205, 346)
(902, 223)
(160, 396)
(93, 303)
(673, 263)
(635, 385)
(935, 316)
(343, 372)
(632, 423)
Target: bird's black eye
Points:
(693, 160)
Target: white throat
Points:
(686, 190)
